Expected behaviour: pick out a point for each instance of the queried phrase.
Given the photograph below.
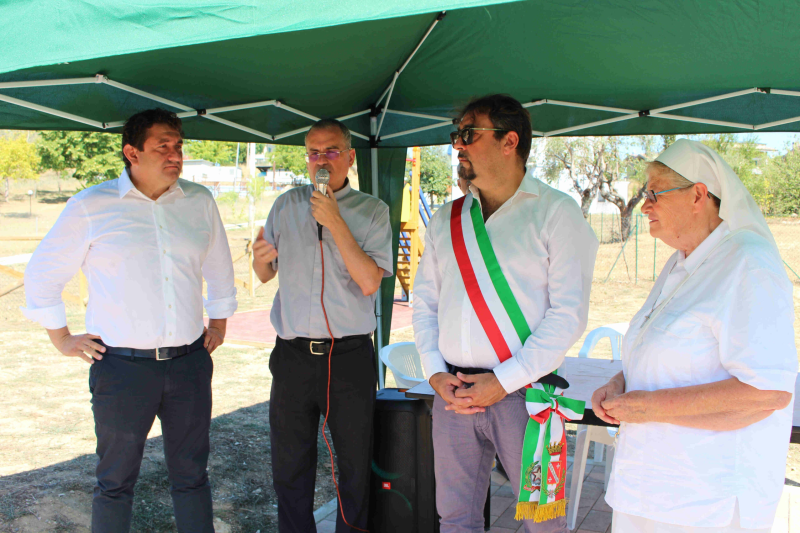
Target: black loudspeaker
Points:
(403, 487)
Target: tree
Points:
(18, 160)
(95, 157)
(631, 168)
(291, 158)
(584, 160)
(221, 152)
(435, 173)
(784, 184)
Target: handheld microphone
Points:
(322, 178)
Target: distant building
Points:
(283, 178)
(217, 178)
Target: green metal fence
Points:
(640, 258)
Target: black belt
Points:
(323, 346)
(159, 354)
(549, 379)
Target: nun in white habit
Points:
(709, 362)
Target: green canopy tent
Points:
(397, 71)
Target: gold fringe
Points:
(526, 510)
(540, 513)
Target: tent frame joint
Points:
(201, 112)
(765, 90)
(644, 113)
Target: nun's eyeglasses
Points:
(651, 194)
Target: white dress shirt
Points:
(732, 316)
(144, 261)
(546, 251)
(290, 227)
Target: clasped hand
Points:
(613, 405)
(468, 394)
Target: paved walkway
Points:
(594, 515)
(254, 327)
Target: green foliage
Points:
(94, 157)
(435, 173)
(291, 158)
(223, 153)
(227, 198)
(256, 186)
(220, 152)
(18, 159)
(783, 179)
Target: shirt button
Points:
(170, 306)
(167, 279)
(170, 334)
(160, 226)
(165, 251)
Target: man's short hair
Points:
(134, 132)
(332, 123)
(505, 113)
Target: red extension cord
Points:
(328, 393)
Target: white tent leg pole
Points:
(373, 128)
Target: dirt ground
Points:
(46, 430)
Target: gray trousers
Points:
(464, 447)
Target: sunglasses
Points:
(651, 194)
(330, 155)
(466, 135)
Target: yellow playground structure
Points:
(415, 214)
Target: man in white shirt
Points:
(145, 241)
(546, 252)
(354, 244)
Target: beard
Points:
(466, 173)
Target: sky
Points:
(778, 140)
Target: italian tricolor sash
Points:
(544, 450)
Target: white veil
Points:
(700, 164)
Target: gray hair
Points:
(332, 123)
(674, 180)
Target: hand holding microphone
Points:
(324, 207)
(263, 252)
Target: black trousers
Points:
(127, 395)
(298, 398)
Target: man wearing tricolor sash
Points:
(501, 294)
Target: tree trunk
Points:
(586, 202)
(8, 189)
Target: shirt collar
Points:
(125, 186)
(341, 193)
(701, 252)
(528, 185)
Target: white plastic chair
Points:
(403, 360)
(601, 436)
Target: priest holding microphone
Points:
(333, 249)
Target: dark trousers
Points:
(298, 398)
(127, 395)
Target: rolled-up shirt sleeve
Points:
(218, 271)
(56, 260)
(756, 331)
(378, 244)
(427, 287)
(572, 249)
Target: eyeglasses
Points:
(330, 155)
(466, 136)
(651, 194)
